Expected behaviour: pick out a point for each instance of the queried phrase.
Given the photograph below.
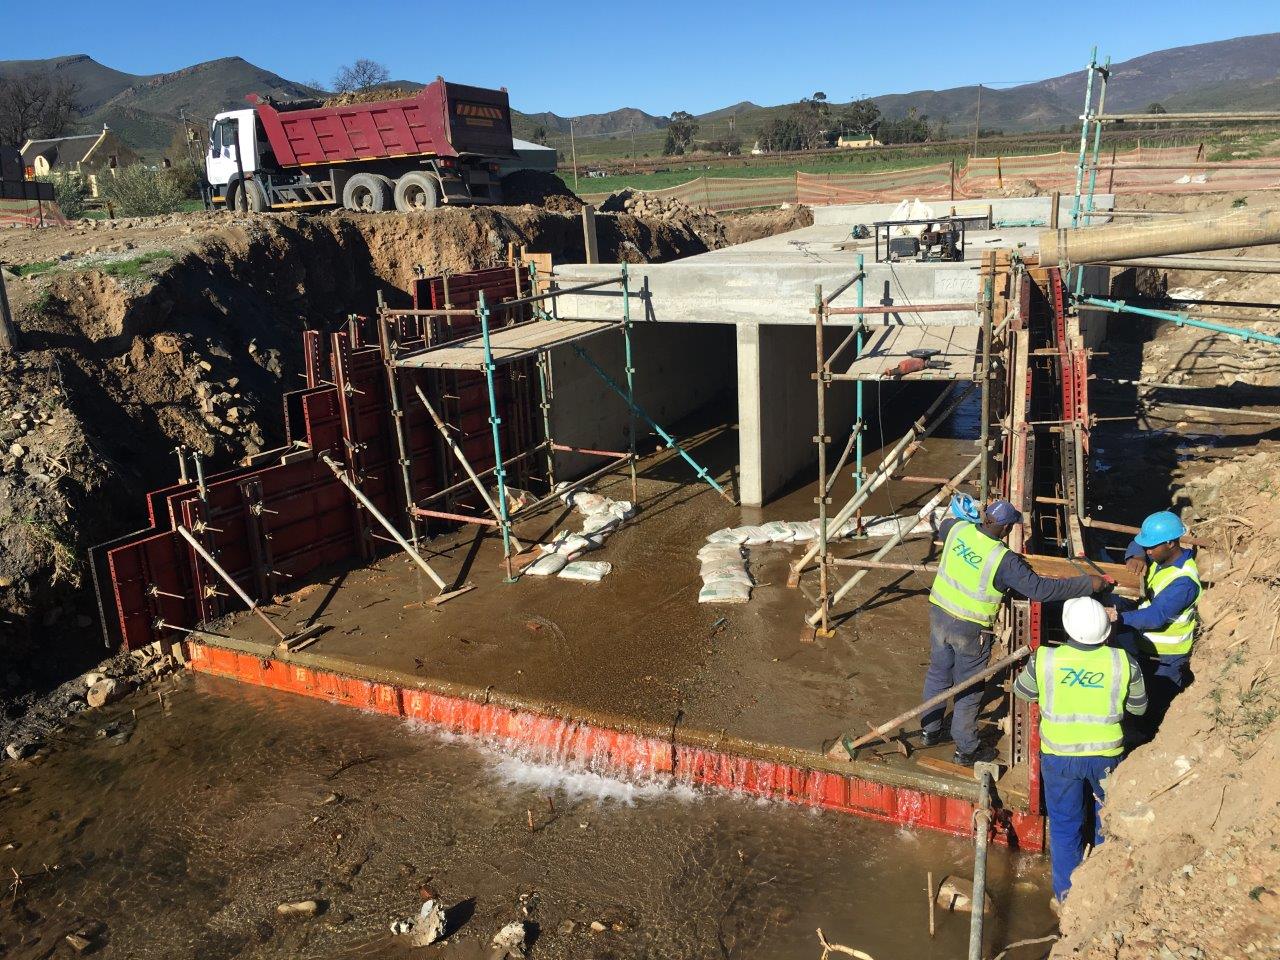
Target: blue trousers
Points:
(1073, 794)
(957, 650)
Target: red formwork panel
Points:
(149, 583)
(624, 752)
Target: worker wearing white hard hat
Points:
(1084, 688)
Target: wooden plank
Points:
(1127, 582)
(507, 344)
(887, 346)
(938, 765)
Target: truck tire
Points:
(367, 193)
(417, 191)
(247, 195)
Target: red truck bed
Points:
(442, 119)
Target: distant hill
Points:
(1242, 74)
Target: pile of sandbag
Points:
(601, 517)
(725, 555)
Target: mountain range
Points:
(1241, 73)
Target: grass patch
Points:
(125, 269)
(34, 269)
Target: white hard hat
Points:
(1085, 621)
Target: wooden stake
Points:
(929, 890)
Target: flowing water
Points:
(172, 828)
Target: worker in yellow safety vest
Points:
(1161, 628)
(1084, 689)
(975, 571)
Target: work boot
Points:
(982, 754)
(932, 739)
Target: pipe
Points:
(249, 602)
(1213, 264)
(1242, 227)
(1181, 319)
(981, 833)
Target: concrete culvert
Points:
(416, 190)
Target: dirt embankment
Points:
(1191, 868)
(142, 335)
(758, 224)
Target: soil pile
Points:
(758, 224)
(1191, 867)
(373, 95)
(139, 336)
(541, 189)
(667, 209)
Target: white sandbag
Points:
(547, 565)
(727, 574)
(802, 530)
(779, 531)
(589, 503)
(602, 522)
(719, 551)
(724, 591)
(622, 509)
(592, 571)
(755, 536)
(727, 535)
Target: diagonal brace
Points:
(671, 442)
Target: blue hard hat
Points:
(963, 507)
(1159, 528)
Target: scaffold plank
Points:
(885, 348)
(508, 344)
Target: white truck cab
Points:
(233, 149)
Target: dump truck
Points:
(444, 144)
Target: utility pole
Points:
(573, 146)
(977, 122)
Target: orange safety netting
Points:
(30, 213)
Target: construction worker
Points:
(1162, 627)
(975, 571)
(1083, 688)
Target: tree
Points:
(1156, 108)
(913, 128)
(540, 134)
(681, 130)
(35, 105)
(361, 75)
(861, 117)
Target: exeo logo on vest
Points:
(971, 557)
(1075, 677)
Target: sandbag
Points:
(548, 565)
(724, 591)
(592, 571)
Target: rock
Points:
(92, 678)
(509, 941)
(300, 908)
(956, 895)
(21, 748)
(205, 365)
(1132, 824)
(425, 928)
(78, 943)
(103, 692)
(17, 450)
(166, 343)
(598, 927)
(566, 927)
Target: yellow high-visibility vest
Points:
(964, 585)
(1082, 694)
(1178, 636)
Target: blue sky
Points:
(576, 58)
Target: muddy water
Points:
(177, 835)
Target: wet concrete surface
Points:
(179, 833)
(638, 644)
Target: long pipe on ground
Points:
(1211, 264)
(1242, 227)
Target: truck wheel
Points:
(247, 195)
(416, 191)
(367, 192)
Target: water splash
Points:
(577, 784)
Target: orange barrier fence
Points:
(1143, 169)
(30, 213)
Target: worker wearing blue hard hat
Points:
(1161, 628)
(975, 571)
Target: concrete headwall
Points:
(678, 369)
(1012, 210)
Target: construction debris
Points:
(425, 928)
(509, 942)
(956, 895)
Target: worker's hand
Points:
(1099, 584)
(1112, 614)
(1136, 565)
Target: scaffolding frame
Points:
(864, 485)
(528, 326)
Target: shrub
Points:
(71, 191)
(139, 191)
